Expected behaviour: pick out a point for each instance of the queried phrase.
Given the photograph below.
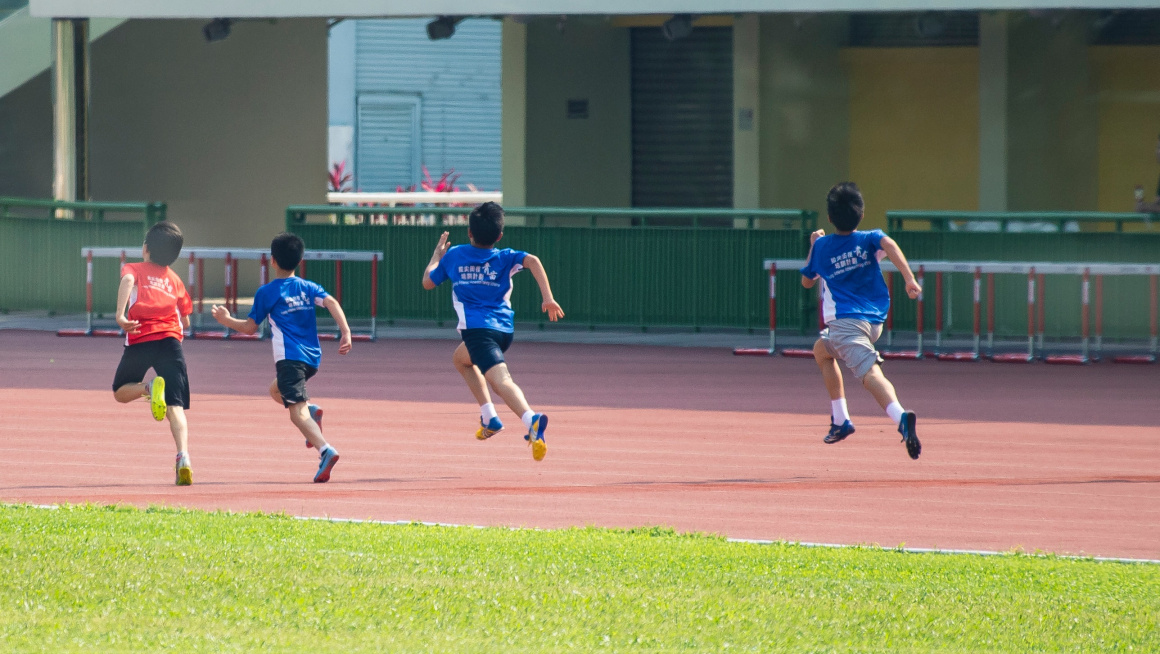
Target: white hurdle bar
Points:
(1035, 272)
(231, 256)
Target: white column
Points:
(993, 59)
(746, 119)
(70, 109)
(514, 124)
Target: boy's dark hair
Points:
(164, 241)
(287, 249)
(486, 223)
(845, 206)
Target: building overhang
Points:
(397, 8)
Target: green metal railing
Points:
(942, 221)
(149, 212)
(604, 269)
(40, 246)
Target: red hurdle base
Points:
(1012, 357)
(752, 352)
(907, 355)
(114, 333)
(1067, 359)
(72, 332)
(958, 356)
(362, 338)
(210, 336)
(797, 353)
(245, 337)
(1135, 358)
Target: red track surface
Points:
(1057, 459)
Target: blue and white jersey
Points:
(481, 285)
(289, 303)
(852, 284)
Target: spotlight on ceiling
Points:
(442, 27)
(217, 29)
(678, 27)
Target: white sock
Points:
(325, 447)
(527, 418)
(487, 412)
(183, 455)
(895, 411)
(838, 411)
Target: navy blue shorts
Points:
(165, 358)
(292, 376)
(486, 346)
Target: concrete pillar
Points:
(70, 109)
(514, 124)
(993, 92)
(746, 114)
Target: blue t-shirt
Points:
(481, 285)
(852, 284)
(290, 303)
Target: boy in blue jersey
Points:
(855, 301)
(289, 302)
(481, 289)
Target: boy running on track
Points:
(289, 301)
(855, 301)
(153, 309)
(480, 290)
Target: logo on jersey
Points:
(161, 284)
(484, 273)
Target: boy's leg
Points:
(178, 427)
(475, 381)
(170, 367)
(136, 360)
(300, 416)
(275, 394)
(501, 380)
(840, 424)
(883, 391)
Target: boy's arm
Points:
(894, 253)
(810, 282)
(436, 257)
(222, 315)
(123, 292)
(339, 316)
(550, 306)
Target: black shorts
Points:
(292, 376)
(166, 359)
(486, 346)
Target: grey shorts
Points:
(851, 341)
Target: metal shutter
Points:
(387, 142)
(458, 80)
(682, 118)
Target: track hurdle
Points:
(195, 285)
(1036, 275)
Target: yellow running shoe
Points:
(184, 472)
(535, 436)
(493, 427)
(157, 398)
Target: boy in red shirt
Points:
(158, 311)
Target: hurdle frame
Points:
(195, 284)
(1036, 273)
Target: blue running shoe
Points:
(326, 462)
(838, 433)
(906, 427)
(316, 416)
(493, 427)
(535, 436)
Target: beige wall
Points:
(805, 107)
(914, 129)
(578, 162)
(1128, 80)
(227, 133)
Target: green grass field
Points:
(97, 579)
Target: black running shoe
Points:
(909, 434)
(837, 433)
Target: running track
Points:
(1059, 459)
